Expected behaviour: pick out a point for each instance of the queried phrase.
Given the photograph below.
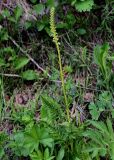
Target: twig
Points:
(9, 75)
(31, 59)
(55, 81)
(18, 76)
(7, 6)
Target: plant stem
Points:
(55, 39)
(63, 84)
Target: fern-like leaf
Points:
(101, 139)
(51, 110)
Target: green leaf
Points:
(100, 56)
(110, 128)
(47, 142)
(0, 82)
(36, 155)
(46, 154)
(50, 109)
(101, 138)
(37, 136)
(39, 155)
(26, 118)
(70, 20)
(29, 75)
(5, 13)
(9, 51)
(112, 150)
(61, 153)
(33, 1)
(101, 126)
(112, 113)
(77, 158)
(94, 111)
(20, 62)
(105, 99)
(3, 35)
(12, 19)
(83, 5)
(18, 12)
(81, 31)
(48, 31)
(40, 26)
(51, 3)
(2, 62)
(31, 141)
(17, 144)
(39, 8)
(68, 69)
(62, 25)
(1, 152)
(28, 24)
(111, 58)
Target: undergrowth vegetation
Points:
(56, 80)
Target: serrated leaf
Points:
(101, 138)
(105, 101)
(36, 155)
(83, 6)
(20, 62)
(50, 109)
(37, 136)
(94, 111)
(17, 144)
(47, 142)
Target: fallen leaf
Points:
(88, 97)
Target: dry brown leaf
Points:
(88, 97)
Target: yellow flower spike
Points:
(56, 41)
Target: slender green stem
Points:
(63, 84)
(55, 39)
